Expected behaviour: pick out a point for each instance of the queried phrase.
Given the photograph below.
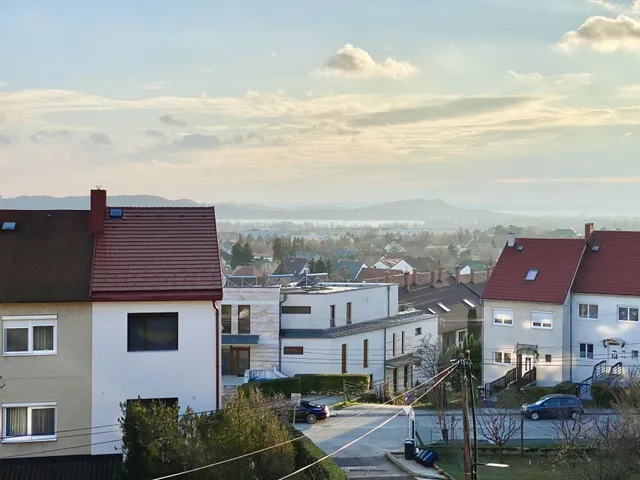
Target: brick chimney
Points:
(406, 281)
(433, 278)
(440, 274)
(588, 232)
(472, 276)
(415, 277)
(458, 274)
(489, 270)
(98, 210)
(511, 239)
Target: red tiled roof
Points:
(613, 269)
(247, 271)
(371, 273)
(158, 251)
(556, 259)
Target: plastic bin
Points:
(409, 449)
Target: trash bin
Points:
(409, 449)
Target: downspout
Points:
(384, 349)
(218, 384)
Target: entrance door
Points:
(528, 364)
(240, 360)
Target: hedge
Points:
(307, 452)
(285, 386)
(605, 395)
(328, 384)
(511, 397)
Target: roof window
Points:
(595, 248)
(8, 226)
(116, 213)
(443, 307)
(467, 302)
(431, 311)
(521, 248)
(532, 274)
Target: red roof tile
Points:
(157, 250)
(613, 269)
(556, 259)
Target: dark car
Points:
(554, 406)
(311, 412)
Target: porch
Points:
(523, 374)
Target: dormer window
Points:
(532, 274)
(443, 307)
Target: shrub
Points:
(605, 395)
(328, 384)
(307, 452)
(568, 388)
(284, 386)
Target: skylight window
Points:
(521, 248)
(8, 225)
(443, 307)
(116, 213)
(595, 248)
(471, 304)
(431, 311)
(532, 274)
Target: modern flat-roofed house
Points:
(45, 279)
(155, 289)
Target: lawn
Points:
(528, 467)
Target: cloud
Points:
(351, 61)
(51, 134)
(157, 85)
(604, 34)
(154, 133)
(197, 141)
(564, 80)
(5, 140)
(603, 180)
(326, 127)
(171, 120)
(617, 7)
(99, 139)
(461, 107)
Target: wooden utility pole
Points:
(464, 398)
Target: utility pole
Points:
(475, 461)
(464, 398)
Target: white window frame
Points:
(458, 341)
(588, 305)
(502, 352)
(501, 321)
(30, 407)
(545, 324)
(629, 308)
(28, 322)
(586, 351)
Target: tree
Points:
(320, 266)
(312, 266)
(328, 269)
(237, 253)
(498, 427)
(279, 247)
(247, 253)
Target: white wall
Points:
(370, 302)
(118, 375)
(605, 327)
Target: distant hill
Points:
(403, 210)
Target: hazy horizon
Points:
(504, 106)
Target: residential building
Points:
(45, 278)
(346, 270)
(155, 289)
(351, 328)
(293, 266)
(368, 274)
(393, 264)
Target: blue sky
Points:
(493, 103)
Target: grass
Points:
(528, 467)
(341, 405)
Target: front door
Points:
(528, 364)
(240, 360)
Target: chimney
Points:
(415, 277)
(458, 274)
(98, 210)
(489, 270)
(440, 274)
(472, 276)
(433, 278)
(588, 232)
(406, 281)
(511, 239)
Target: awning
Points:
(240, 339)
(524, 349)
(402, 360)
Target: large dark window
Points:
(152, 332)
(226, 318)
(296, 310)
(244, 319)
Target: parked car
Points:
(554, 406)
(311, 412)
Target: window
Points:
(296, 310)
(406, 376)
(402, 343)
(443, 307)
(461, 335)
(152, 332)
(503, 317)
(502, 357)
(348, 313)
(547, 358)
(293, 350)
(532, 274)
(586, 350)
(28, 422)
(344, 358)
(541, 320)
(393, 345)
(32, 335)
(587, 311)
(244, 319)
(365, 353)
(431, 311)
(169, 402)
(468, 303)
(226, 318)
(419, 331)
(332, 315)
(634, 354)
(628, 314)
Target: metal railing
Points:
(502, 382)
(616, 370)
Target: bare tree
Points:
(498, 427)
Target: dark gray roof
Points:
(344, 330)
(67, 467)
(228, 339)
(292, 265)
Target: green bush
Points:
(605, 395)
(329, 384)
(307, 452)
(513, 397)
(568, 388)
(284, 386)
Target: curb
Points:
(408, 471)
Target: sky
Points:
(501, 104)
